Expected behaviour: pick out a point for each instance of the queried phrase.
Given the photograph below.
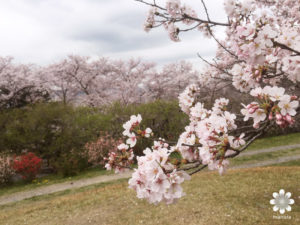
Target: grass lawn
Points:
(263, 156)
(51, 179)
(291, 163)
(270, 142)
(239, 197)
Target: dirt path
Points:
(274, 149)
(267, 162)
(105, 178)
(60, 187)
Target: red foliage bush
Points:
(27, 165)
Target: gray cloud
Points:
(43, 31)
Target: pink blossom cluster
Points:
(264, 37)
(261, 44)
(187, 97)
(176, 11)
(6, 170)
(130, 128)
(150, 20)
(122, 159)
(156, 179)
(210, 129)
(98, 149)
(273, 104)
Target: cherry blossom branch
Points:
(205, 9)
(222, 70)
(151, 4)
(197, 170)
(222, 46)
(252, 139)
(285, 47)
(185, 16)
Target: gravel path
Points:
(105, 178)
(267, 162)
(60, 187)
(274, 149)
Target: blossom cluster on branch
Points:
(273, 104)
(259, 54)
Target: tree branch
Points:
(285, 47)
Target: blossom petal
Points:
(275, 194)
(282, 211)
(272, 201)
(281, 192)
(288, 195)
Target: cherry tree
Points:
(259, 56)
(81, 80)
(171, 80)
(19, 85)
(129, 80)
(77, 79)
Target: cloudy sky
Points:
(44, 31)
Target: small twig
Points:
(197, 170)
(190, 166)
(206, 11)
(151, 4)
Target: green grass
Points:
(238, 197)
(280, 140)
(291, 163)
(263, 156)
(50, 179)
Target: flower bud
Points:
(288, 118)
(256, 125)
(270, 116)
(278, 116)
(294, 97)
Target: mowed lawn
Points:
(239, 197)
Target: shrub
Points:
(27, 165)
(6, 170)
(70, 163)
(59, 132)
(97, 150)
(49, 130)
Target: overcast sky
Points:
(44, 31)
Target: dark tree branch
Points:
(285, 47)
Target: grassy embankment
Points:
(238, 197)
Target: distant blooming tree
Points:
(19, 85)
(81, 80)
(171, 80)
(260, 53)
(77, 79)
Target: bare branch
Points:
(206, 12)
